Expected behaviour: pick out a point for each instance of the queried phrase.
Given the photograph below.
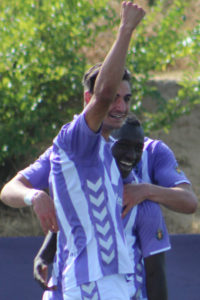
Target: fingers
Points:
(48, 222)
(131, 15)
(45, 211)
(54, 223)
(45, 224)
(135, 7)
(125, 210)
(40, 274)
(45, 286)
(52, 288)
(42, 284)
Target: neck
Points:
(106, 133)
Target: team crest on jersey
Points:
(159, 234)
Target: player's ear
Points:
(87, 97)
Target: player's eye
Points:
(127, 98)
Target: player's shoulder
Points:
(45, 155)
(71, 132)
(150, 143)
(155, 145)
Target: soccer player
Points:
(163, 181)
(145, 229)
(147, 237)
(178, 197)
(91, 250)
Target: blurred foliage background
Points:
(46, 46)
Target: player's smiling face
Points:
(127, 151)
(119, 108)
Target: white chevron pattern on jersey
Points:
(108, 258)
(100, 215)
(95, 297)
(97, 201)
(102, 223)
(90, 291)
(88, 288)
(94, 186)
(106, 244)
(103, 229)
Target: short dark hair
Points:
(90, 76)
(131, 120)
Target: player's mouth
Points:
(118, 117)
(125, 165)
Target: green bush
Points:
(41, 67)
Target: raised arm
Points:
(112, 70)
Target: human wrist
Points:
(154, 192)
(28, 198)
(147, 193)
(125, 30)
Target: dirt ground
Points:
(183, 139)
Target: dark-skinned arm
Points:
(43, 258)
(156, 282)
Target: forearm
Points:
(156, 286)
(180, 198)
(107, 81)
(48, 248)
(156, 283)
(113, 67)
(112, 70)
(14, 191)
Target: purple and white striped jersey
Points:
(91, 242)
(159, 165)
(38, 172)
(146, 234)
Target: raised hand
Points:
(131, 15)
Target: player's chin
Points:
(124, 169)
(116, 123)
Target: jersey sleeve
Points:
(78, 140)
(151, 229)
(165, 169)
(38, 172)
